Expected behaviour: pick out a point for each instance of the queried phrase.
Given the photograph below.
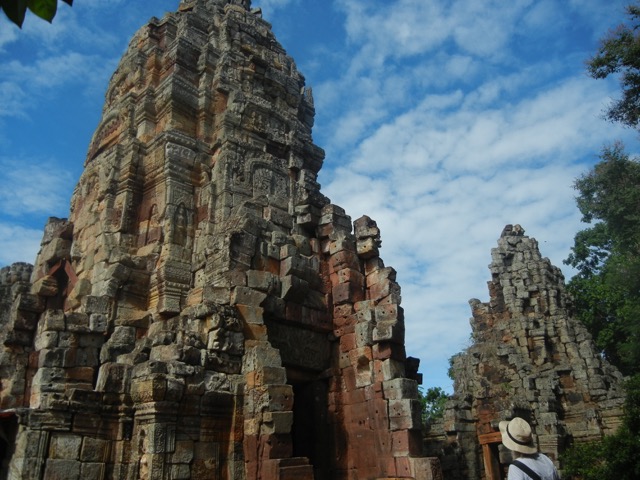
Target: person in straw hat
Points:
(529, 464)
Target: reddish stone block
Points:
(378, 412)
(34, 358)
(251, 314)
(342, 293)
(403, 467)
(385, 350)
(349, 378)
(347, 342)
(382, 290)
(406, 443)
(250, 447)
(362, 448)
(342, 244)
(393, 296)
(344, 330)
(360, 356)
(389, 466)
(344, 259)
(342, 310)
(340, 321)
(354, 397)
(275, 446)
(350, 275)
(374, 391)
(373, 264)
(356, 416)
(255, 332)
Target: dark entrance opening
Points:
(8, 433)
(310, 431)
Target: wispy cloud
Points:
(18, 243)
(44, 75)
(34, 187)
(449, 121)
(8, 34)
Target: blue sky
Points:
(443, 120)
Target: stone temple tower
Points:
(530, 358)
(205, 312)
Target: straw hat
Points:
(516, 436)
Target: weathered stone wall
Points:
(16, 331)
(206, 312)
(529, 358)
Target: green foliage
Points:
(16, 10)
(607, 256)
(616, 457)
(433, 402)
(584, 461)
(451, 371)
(620, 53)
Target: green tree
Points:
(16, 10)
(606, 288)
(616, 457)
(620, 53)
(433, 402)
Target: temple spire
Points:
(206, 312)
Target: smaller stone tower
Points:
(529, 358)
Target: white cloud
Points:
(42, 77)
(479, 136)
(8, 33)
(33, 187)
(18, 244)
(12, 99)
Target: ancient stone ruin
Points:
(529, 358)
(205, 312)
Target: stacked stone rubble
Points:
(529, 358)
(206, 312)
(18, 320)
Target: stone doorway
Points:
(493, 468)
(8, 432)
(310, 430)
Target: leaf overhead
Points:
(15, 10)
(45, 9)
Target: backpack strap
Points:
(527, 470)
